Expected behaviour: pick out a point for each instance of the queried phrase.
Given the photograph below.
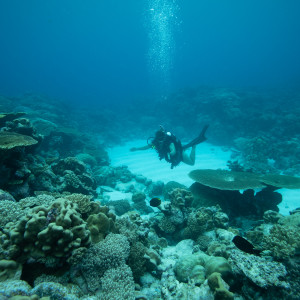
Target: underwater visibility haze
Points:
(115, 50)
(149, 149)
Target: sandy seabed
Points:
(208, 156)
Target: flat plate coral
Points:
(227, 180)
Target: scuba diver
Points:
(170, 148)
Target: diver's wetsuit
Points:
(162, 141)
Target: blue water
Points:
(98, 51)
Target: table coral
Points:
(11, 140)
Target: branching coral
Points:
(107, 254)
(10, 211)
(83, 202)
(117, 283)
(166, 225)
(282, 241)
(198, 222)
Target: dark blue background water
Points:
(95, 51)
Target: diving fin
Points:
(198, 140)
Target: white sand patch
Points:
(148, 164)
(290, 201)
(208, 156)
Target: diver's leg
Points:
(189, 159)
(199, 139)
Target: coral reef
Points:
(9, 269)
(58, 238)
(180, 197)
(11, 140)
(216, 283)
(53, 231)
(140, 203)
(117, 283)
(262, 272)
(76, 177)
(110, 253)
(235, 203)
(282, 241)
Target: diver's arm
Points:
(172, 149)
(140, 148)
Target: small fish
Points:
(244, 245)
(154, 202)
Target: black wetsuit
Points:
(162, 141)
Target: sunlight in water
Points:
(162, 22)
